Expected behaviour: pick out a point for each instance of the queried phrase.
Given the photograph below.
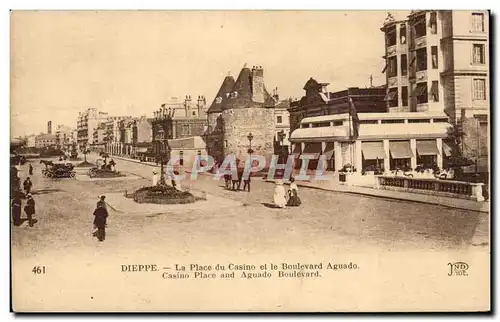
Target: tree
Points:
(457, 160)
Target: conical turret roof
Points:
(225, 88)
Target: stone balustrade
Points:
(448, 188)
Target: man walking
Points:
(29, 209)
(16, 209)
(27, 184)
(100, 217)
(30, 169)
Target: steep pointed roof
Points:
(243, 87)
(226, 87)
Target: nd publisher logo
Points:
(458, 269)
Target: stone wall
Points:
(239, 122)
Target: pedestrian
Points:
(246, 182)
(29, 209)
(16, 209)
(174, 180)
(102, 202)
(100, 218)
(30, 169)
(112, 164)
(279, 195)
(155, 178)
(293, 194)
(27, 184)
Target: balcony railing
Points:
(464, 190)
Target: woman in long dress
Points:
(293, 194)
(279, 195)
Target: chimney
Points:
(49, 127)
(276, 95)
(258, 84)
(201, 105)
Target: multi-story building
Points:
(99, 137)
(242, 118)
(179, 119)
(142, 136)
(86, 124)
(329, 112)
(64, 139)
(438, 61)
(126, 127)
(281, 125)
(31, 141)
(45, 140)
(113, 134)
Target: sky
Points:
(130, 62)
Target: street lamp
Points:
(161, 137)
(281, 138)
(250, 151)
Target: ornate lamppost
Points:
(250, 151)
(163, 151)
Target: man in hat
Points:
(16, 209)
(102, 201)
(29, 209)
(100, 218)
(27, 184)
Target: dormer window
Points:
(227, 94)
(235, 94)
(218, 100)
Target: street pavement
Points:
(327, 223)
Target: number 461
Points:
(38, 270)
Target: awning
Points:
(427, 147)
(313, 148)
(373, 150)
(400, 149)
(446, 149)
(329, 150)
(142, 150)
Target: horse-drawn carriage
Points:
(103, 169)
(58, 170)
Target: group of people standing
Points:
(283, 198)
(17, 203)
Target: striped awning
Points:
(313, 148)
(427, 147)
(329, 150)
(373, 150)
(400, 149)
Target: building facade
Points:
(113, 134)
(178, 119)
(242, 119)
(64, 137)
(387, 141)
(99, 137)
(438, 61)
(282, 126)
(45, 140)
(87, 122)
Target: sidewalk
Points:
(398, 195)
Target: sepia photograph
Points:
(250, 161)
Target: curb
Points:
(388, 197)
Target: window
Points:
(368, 122)
(419, 121)
(478, 54)
(392, 67)
(420, 27)
(433, 23)
(421, 93)
(404, 65)
(186, 129)
(435, 91)
(404, 95)
(479, 89)
(338, 123)
(443, 120)
(393, 121)
(194, 113)
(477, 22)
(392, 97)
(391, 36)
(279, 119)
(434, 54)
(225, 143)
(402, 34)
(421, 59)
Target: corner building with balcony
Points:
(437, 61)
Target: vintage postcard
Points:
(250, 161)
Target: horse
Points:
(47, 163)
